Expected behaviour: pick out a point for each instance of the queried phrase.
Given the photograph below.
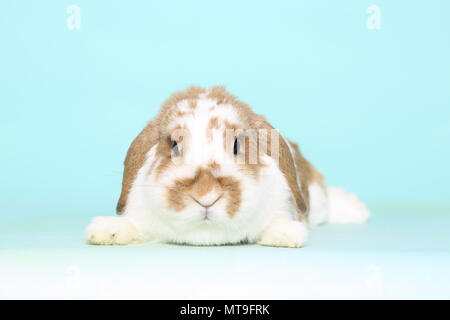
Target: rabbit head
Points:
(205, 161)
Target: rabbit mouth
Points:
(206, 216)
(207, 206)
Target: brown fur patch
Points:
(202, 183)
(231, 126)
(175, 199)
(212, 125)
(307, 173)
(180, 113)
(233, 194)
(214, 166)
(135, 159)
(221, 95)
(287, 167)
(192, 104)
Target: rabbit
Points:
(207, 170)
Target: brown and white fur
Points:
(209, 198)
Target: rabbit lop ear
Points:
(135, 159)
(287, 165)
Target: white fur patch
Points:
(318, 204)
(285, 233)
(111, 231)
(345, 207)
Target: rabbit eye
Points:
(236, 146)
(175, 150)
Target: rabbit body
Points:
(209, 171)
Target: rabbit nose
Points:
(206, 206)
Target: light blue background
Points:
(370, 108)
